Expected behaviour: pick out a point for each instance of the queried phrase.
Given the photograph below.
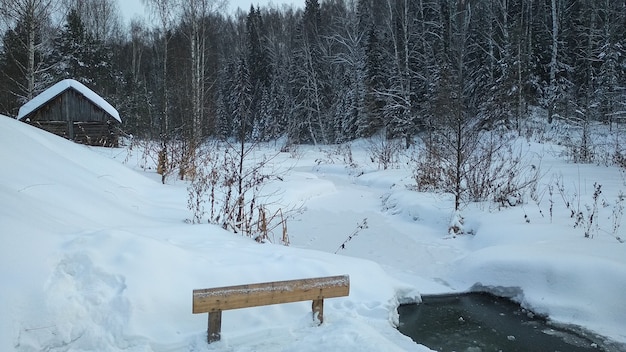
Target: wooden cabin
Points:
(73, 111)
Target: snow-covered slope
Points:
(95, 256)
(532, 253)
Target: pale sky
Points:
(133, 8)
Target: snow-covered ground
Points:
(96, 254)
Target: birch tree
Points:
(196, 17)
(164, 11)
(34, 20)
(559, 83)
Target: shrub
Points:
(226, 189)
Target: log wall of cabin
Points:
(84, 121)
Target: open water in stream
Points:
(482, 322)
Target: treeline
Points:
(331, 72)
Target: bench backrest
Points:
(242, 296)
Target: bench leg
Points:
(214, 332)
(318, 310)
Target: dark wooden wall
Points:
(72, 116)
(70, 106)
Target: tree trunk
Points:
(30, 69)
(553, 59)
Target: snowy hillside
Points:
(96, 255)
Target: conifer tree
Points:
(72, 52)
(375, 83)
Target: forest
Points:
(332, 72)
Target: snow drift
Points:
(96, 256)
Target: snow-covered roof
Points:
(60, 87)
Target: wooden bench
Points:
(215, 300)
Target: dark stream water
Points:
(482, 322)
